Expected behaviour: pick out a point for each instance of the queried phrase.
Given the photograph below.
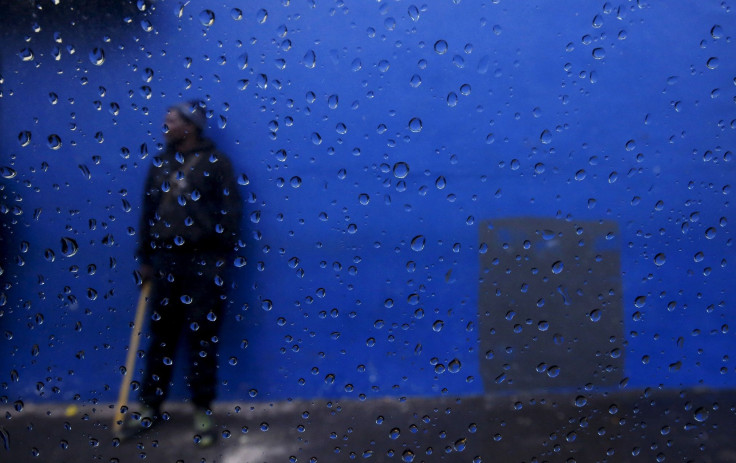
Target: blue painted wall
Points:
(361, 128)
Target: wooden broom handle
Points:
(132, 351)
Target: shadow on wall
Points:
(8, 212)
(550, 304)
(26, 16)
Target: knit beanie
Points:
(192, 111)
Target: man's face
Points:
(176, 128)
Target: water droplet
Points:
(712, 63)
(261, 16)
(716, 32)
(415, 125)
(599, 53)
(85, 171)
(660, 259)
(97, 56)
(310, 59)
(414, 13)
(8, 172)
(207, 18)
(236, 14)
(69, 246)
(640, 301)
(364, 199)
(452, 99)
(401, 170)
(701, 414)
(557, 267)
(332, 101)
(24, 138)
(394, 433)
(546, 137)
(26, 54)
(416, 80)
(440, 47)
(146, 25)
(54, 141)
(710, 233)
(454, 366)
(418, 242)
(242, 61)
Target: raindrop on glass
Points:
(261, 16)
(310, 59)
(54, 141)
(24, 138)
(69, 246)
(401, 170)
(418, 242)
(440, 47)
(599, 53)
(97, 56)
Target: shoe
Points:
(204, 429)
(138, 422)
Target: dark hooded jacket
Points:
(190, 204)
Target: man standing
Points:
(189, 228)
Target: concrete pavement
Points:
(646, 426)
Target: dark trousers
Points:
(186, 305)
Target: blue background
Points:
(572, 110)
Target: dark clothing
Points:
(187, 308)
(191, 203)
(191, 214)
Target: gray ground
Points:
(646, 426)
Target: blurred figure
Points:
(189, 226)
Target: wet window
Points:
(327, 230)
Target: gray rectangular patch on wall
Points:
(550, 304)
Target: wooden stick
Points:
(130, 360)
